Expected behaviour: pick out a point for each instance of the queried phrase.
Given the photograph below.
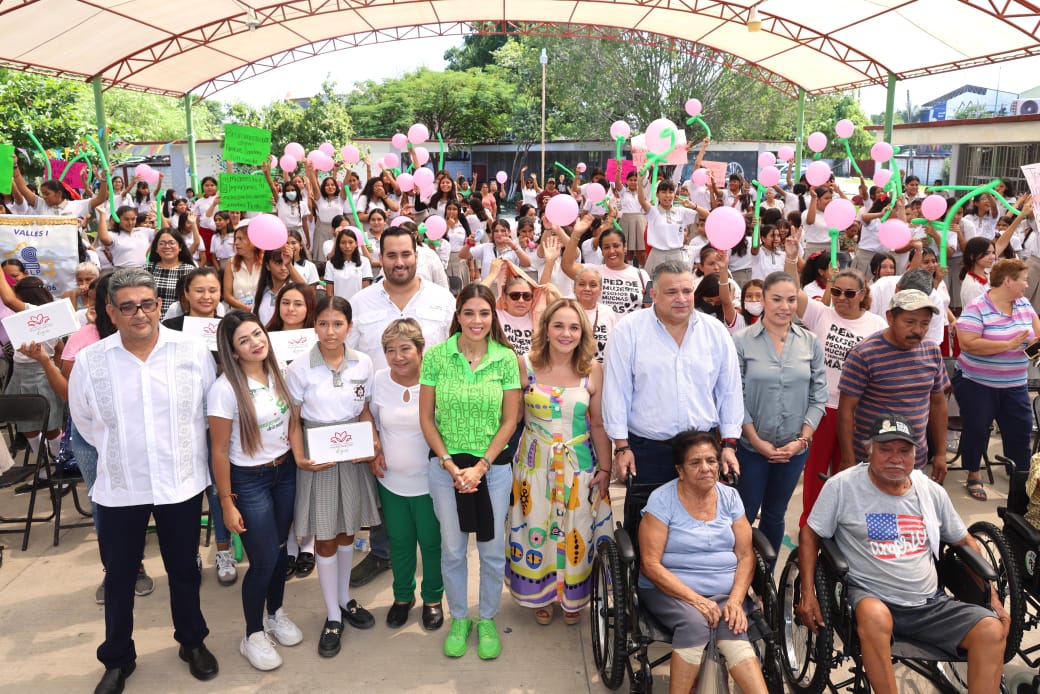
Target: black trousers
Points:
(653, 468)
(121, 536)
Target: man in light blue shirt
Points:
(669, 369)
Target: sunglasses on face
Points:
(847, 293)
(520, 296)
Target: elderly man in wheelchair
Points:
(881, 525)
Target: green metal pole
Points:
(800, 140)
(99, 113)
(890, 107)
(191, 143)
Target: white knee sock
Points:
(292, 546)
(345, 558)
(53, 446)
(307, 544)
(328, 577)
(34, 443)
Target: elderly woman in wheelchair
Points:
(881, 526)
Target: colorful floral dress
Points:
(554, 527)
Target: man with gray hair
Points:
(138, 398)
(881, 292)
(669, 369)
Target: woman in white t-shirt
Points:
(127, 243)
(623, 285)
(501, 245)
(250, 419)
(516, 313)
(402, 474)
(455, 237)
(588, 288)
(979, 255)
(347, 269)
(815, 231)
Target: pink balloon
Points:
(406, 182)
(399, 141)
(391, 160)
(882, 177)
(818, 173)
(423, 177)
(350, 154)
(894, 234)
(933, 207)
(398, 221)
(725, 227)
(580, 168)
(817, 141)
(436, 227)
(561, 210)
(501, 177)
(421, 155)
(844, 128)
(427, 191)
(294, 150)
(273, 161)
(881, 152)
(418, 134)
(323, 162)
(143, 171)
(839, 213)
(595, 192)
(693, 107)
(700, 177)
(769, 176)
(327, 149)
(288, 163)
(766, 159)
(785, 153)
(619, 128)
(656, 142)
(152, 177)
(267, 232)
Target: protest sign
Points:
(1032, 176)
(75, 178)
(47, 246)
(244, 192)
(6, 168)
(626, 166)
(245, 145)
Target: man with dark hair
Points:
(428, 263)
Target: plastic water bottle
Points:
(361, 544)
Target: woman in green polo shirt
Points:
(469, 403)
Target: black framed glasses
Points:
(520, 296)
(130, 308)
(847, 293)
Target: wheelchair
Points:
(623, 630)
(810, 659)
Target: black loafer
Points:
(201, 663)
(367, 569)
(114, 679)
(290, 567)
(329, 643)
(304, 565)
(397, 617)
(357, 616)
(432, 617)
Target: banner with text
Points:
(47, 246)
(245, 145)
(244, 192)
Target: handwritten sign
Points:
(291, 344)
(75, 178)
(340, 442)
(244, 192)
(206, 328)
(245, 145)
(717, 169)
(1032, 176)
(626, 167)
(42, 323)
(6, 168)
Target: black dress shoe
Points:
(290, 567)
(114, 679)
(304, 564)
(357, 616)
(201, 663)
(398, 614)
(432, 617)
(329, 642)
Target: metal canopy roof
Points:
(201, 46)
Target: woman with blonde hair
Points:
(562, 469)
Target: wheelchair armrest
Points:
(762, 547)
(626, 551)
(1016, 523)
(834, 556)
(974, 561)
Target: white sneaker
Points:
(282, 628)
(260, 652)
(227, 574)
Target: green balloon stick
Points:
(759, 192)
(108, 174)
(43, 153)
(848, 151)
(655, 159)
(834, 247)
(440, 166)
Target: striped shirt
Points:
(888, 379)
(983, 318)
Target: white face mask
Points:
(753, 307)
(290, 195)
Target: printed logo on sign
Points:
(298, 341)
(38, 319)
(340, 437)
(210, 329)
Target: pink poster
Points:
(74, 178)
(717, 169)
(626, 166)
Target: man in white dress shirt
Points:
(138, 398)
(669, 369)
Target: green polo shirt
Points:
(469, 403)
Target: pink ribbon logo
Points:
(340, 437)
(38, 319)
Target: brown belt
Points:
(277, 461)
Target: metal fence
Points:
(980, 164)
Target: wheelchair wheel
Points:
(607, 615)
(806, 656)
(996, 550)
(769, 649)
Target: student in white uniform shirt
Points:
(501, 245)
(349, 271)
(769, 256)
(633, 221)
(666, 226)
(815, 232)
(53, 199)
(128, 243)
(298, 253)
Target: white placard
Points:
(47, 322)
(206, 328)
(289, 345)
(679, 155)
(1031, 172)
(340, 442)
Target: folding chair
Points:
(57, 479)
(36, 410)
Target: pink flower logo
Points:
(210, 329)
(298, 341)
(340, 437)
(38, 319)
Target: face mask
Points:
(290, 195)
(753, 307)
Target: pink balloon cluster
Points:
(295, 150)
(320, 160)
(406, 183)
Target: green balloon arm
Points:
(848, 151)
(353, 210)
(816, 156)
(43, 153)
(108, 174)
(619, 142)
(987, 189)
(440, 140)
(834, 247)
(895, 184)
(759, 192)
(699, 121)
(617, 225)
(654, 159)
(565, 169)
(158, 210)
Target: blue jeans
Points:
(265, 498)
(454, 542)
(87, 459)
(768, 486)
(1009, 406)
(216, 513)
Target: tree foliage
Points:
(477, 50)
(325, 118)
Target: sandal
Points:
(544, 616)
(571, 618)
(976, 490)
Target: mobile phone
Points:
(1032, 351)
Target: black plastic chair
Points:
(36, 410)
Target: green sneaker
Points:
(488, 646)
(455, 644)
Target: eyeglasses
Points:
(167, 243)
(847, 293)
(130, 309)
(520, 296)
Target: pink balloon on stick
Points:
(423, 177)
(501, 177)
(700, 177)
(817, 141)
(399, 141)
(933, 207)
(881, 152)
(436, 227)
(785, 153)
(882, 177)
(323, 162)
(405, 182)
(894, 234)
(273, 161)
(619, 128)
(844, 128)
(766, 159)
(398, 221)
(427, 192)
(725, 227)
(142, 171)
(693, 107)
(350, 154)
(421, 155)
(418, 134)
(595, 192)
(839, 213)
(327, 149)
(391, 160)
(818, 173)
(561, 210)
(295, 150)
(769, 176)
(656, 141)
(287, 163)
(267, 232)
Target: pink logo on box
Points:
(210, 329)
(38, 319)
(340, 437)
(302, 340)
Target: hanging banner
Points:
(47, 246)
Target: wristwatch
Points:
(730, 444)
(443, 459)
